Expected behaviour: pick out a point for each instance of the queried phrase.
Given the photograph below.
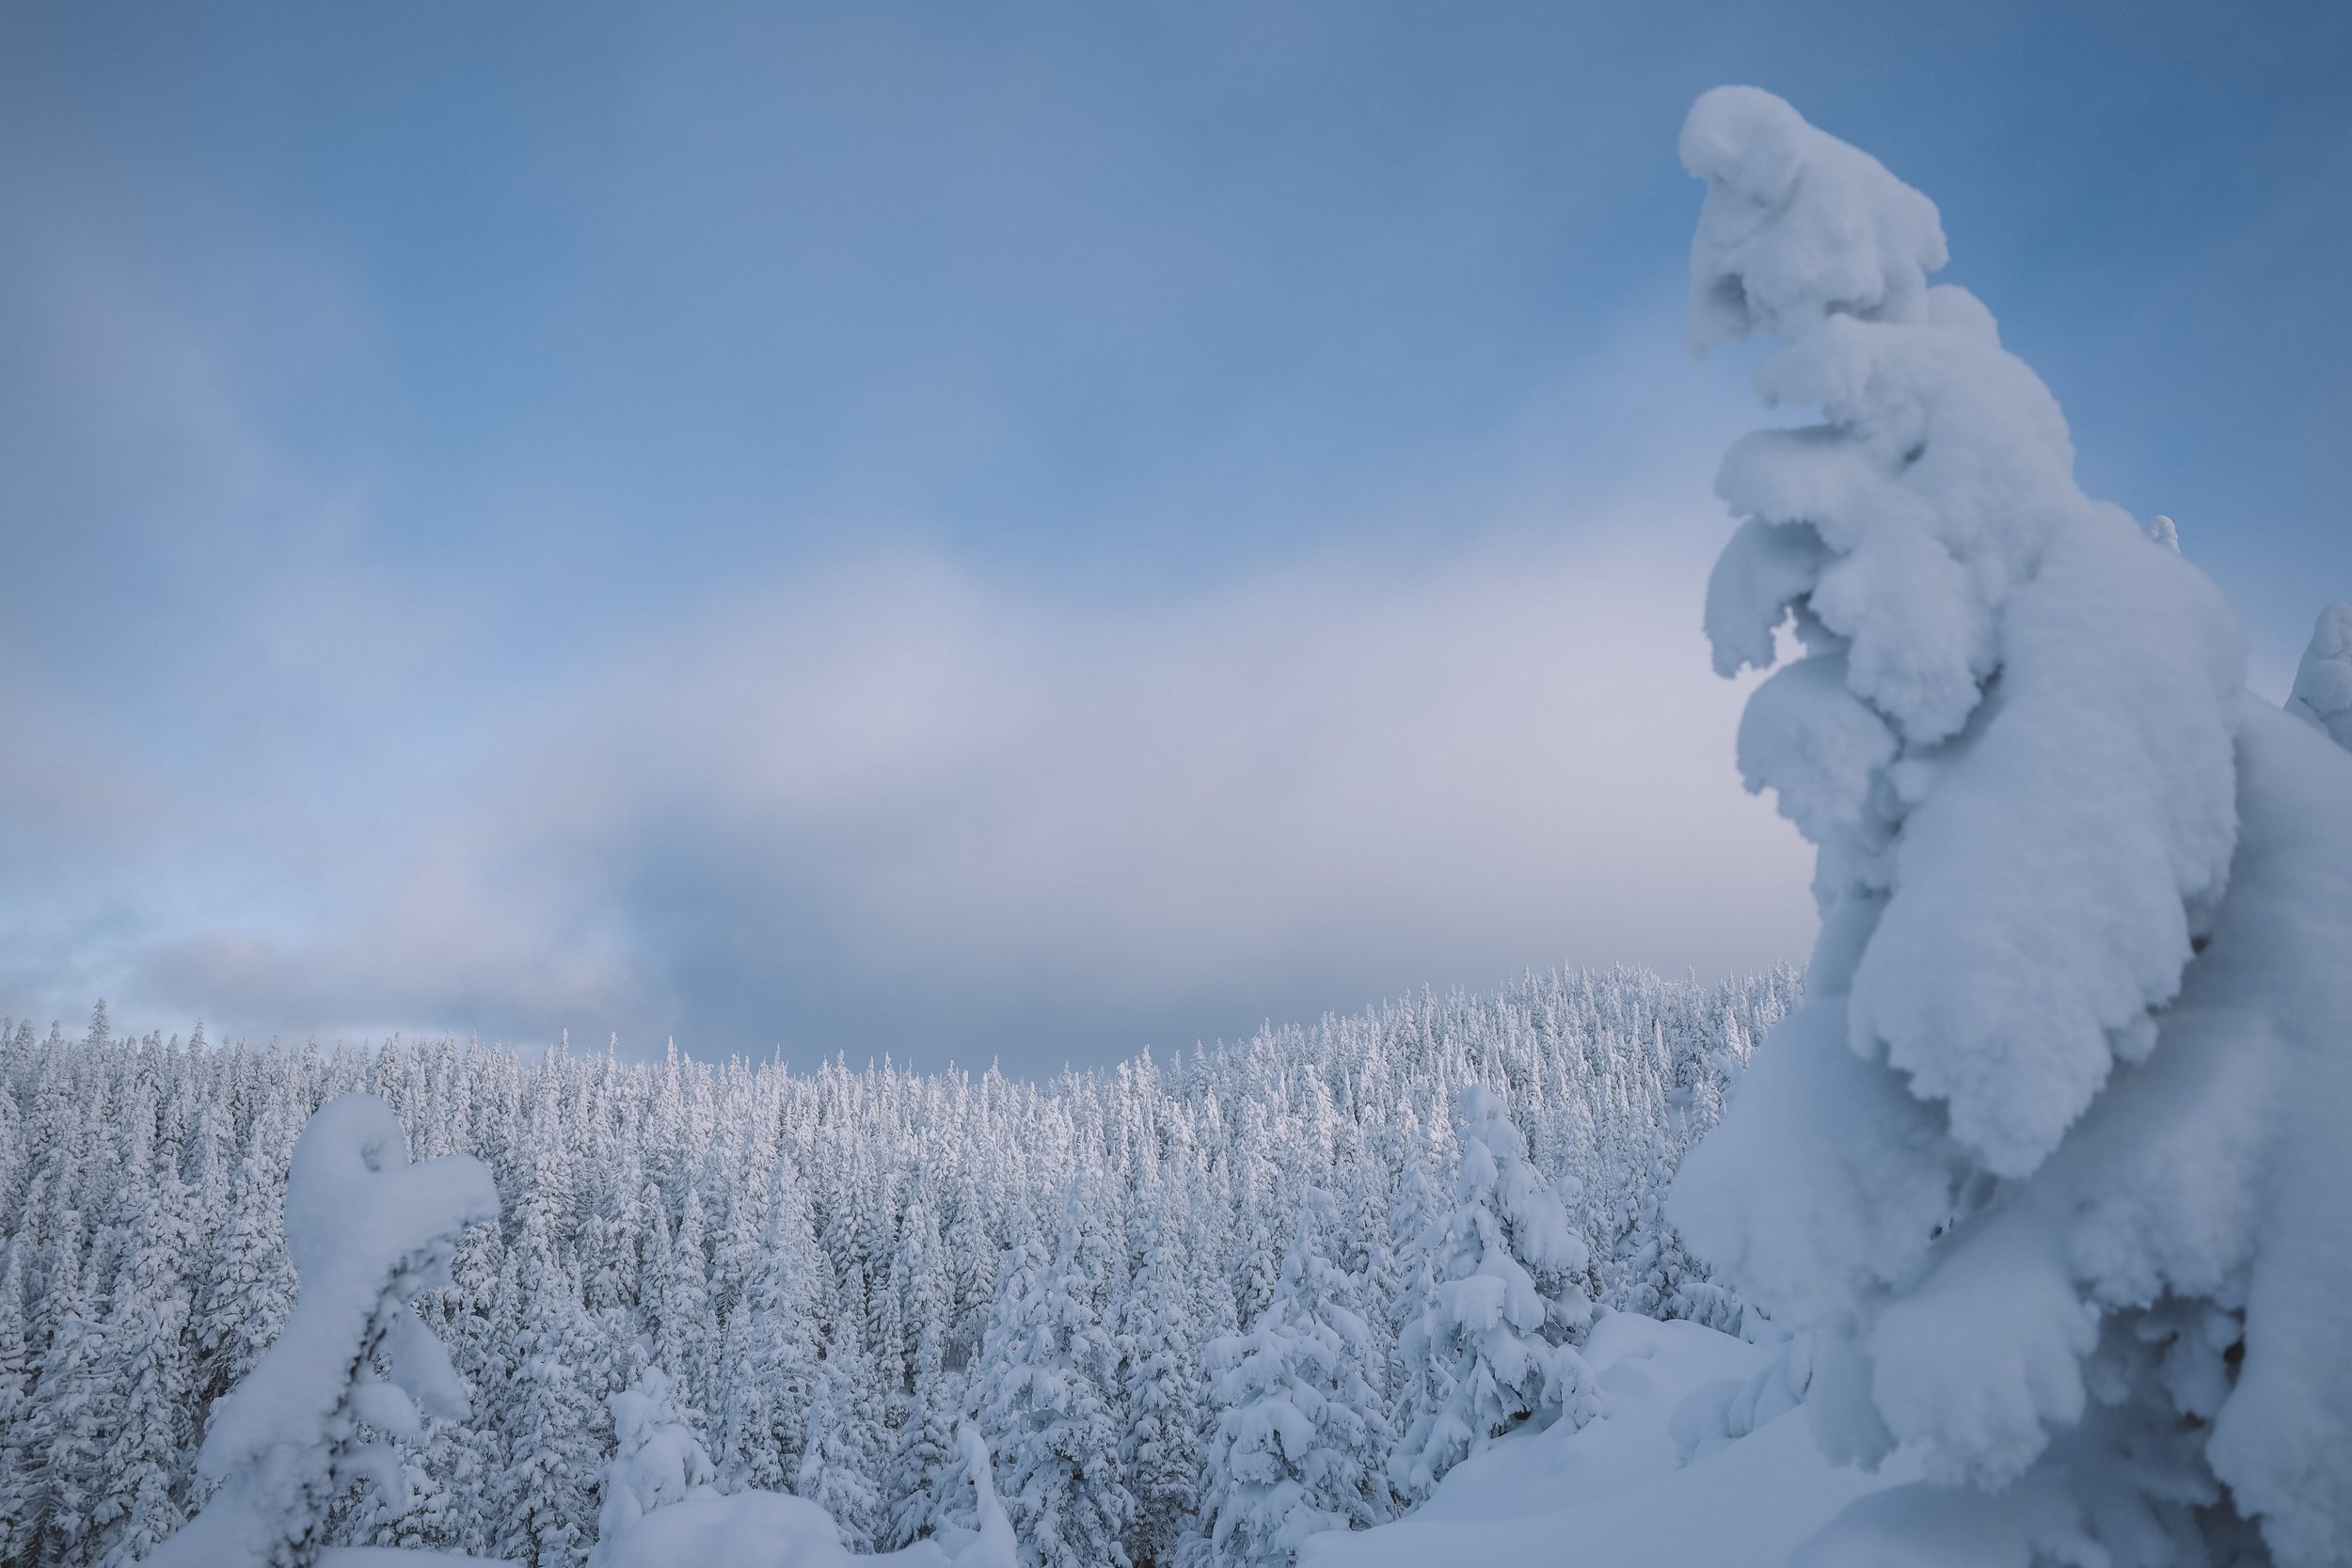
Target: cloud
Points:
(1315, 678)
(891, 807)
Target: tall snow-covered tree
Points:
(70, 1431)
(686, 1335)
(1161, 1378)
(1490, 1349)
(926, 1438)
(2050, 1160)
(842, 1449)
(368, 1231)
(1044, 1393)
(145, 1357)
(657, 1460)
(250, 1285)
(19, 1459)
(548, 1413)
(770, 1351)
(1302, 1440)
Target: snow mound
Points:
(703, 1528)
(1614, 1491)
(2323, 683)
(746, 1529)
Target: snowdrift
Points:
(1615, 1492)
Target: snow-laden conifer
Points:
(769, 1361)
(1161, 1378)
(69, 1433)
(842, 1449)
(1490, 1349)
(1301, 1440)
(657, 1460)
(17, 1457)
(367, 1233)
(2050, 1160)
(145, 1361)
(1044, 1396)
(925, 1439)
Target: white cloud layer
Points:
(890, 808)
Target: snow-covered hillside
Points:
(830, 1266)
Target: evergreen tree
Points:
(2049, 1163)
(146, 1326)
(71, 1397)
(657, 1460)
(1161, 1378)
(772, 1351)
(547, 1417)
(1044, 1398)
(368, 1232)
(924, 1440)
(839, 1455)
(1490, 1349)
(19, 1455)
(685, 1336)
(1301, 1436)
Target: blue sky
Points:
(1002, 531)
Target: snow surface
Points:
(393, 1556)
(706, 1528)
(1615, 1492)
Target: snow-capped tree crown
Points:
(368, 1232)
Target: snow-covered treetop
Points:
(2323, 683)
(1797, 226)
(362, 1226)
(656, 1459)
(367, 1233)
(1931, 547)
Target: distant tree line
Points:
(1110, 1271)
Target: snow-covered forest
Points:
(830, 1268)
(2014, 1233)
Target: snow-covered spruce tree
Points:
(2050, 1159)
(657, 1460)
(1301, 1439)
(19, 1459)
(368, 1232)
(768, 1359)
(547, 1414)
(1490, 1349)
(1043, 1400)
(2323, 683)
(842, 1451)
(146, 1324)
(68, 1436)
(934, 1396)
(1160, 1378)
